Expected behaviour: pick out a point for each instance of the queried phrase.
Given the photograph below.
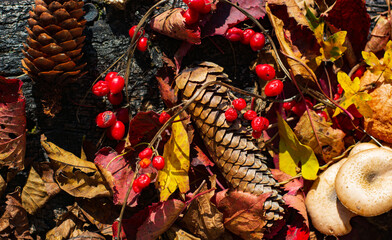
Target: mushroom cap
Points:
(364, 182)
(362, 147)
(328, 215)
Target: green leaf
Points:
(312, 19)
(292, 152)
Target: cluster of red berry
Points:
(195, 8)
(254, 39)
(112, 87)
(266, 72)
(158, 162)
(142, 43)
(259, 124)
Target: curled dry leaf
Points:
(12, 124)
(39, 188)
(14, 223)
(171, 23)
(77, 177)
(176, 233)
(243, 213)
(330, 143)
(380, 35)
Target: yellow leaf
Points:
(331, 49)
(352, 95)
(292, 152)
(176, 154)
(380, 66)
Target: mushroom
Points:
(364, 182)
(328, 215)
(359, 147)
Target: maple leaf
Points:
(353, 95)
(176, 153)
(292, 152)
(332, 48)
(382, 66)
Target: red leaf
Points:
(351, 16)
(165, 77)
(297, 202)
(227, 16)
(143, 127)
(121, 172)
(200, 158)
(171, 23)
(292, 186)
(12, 124)
(296, 233)
(129, 226)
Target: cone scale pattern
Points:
(231, 146)
(53, 48)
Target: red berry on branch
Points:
(273, 88)
(265, 72)
(142, 44)
(323, 114)
(231, 114)
(256, 134)
(190, 16)
(136, 186)
(122, 115)
(105, 119)
(234, 34)
(359, 73)
(115, 99)
(117, 131)
(163, 117)
(239, 104)
(340, 89)
(250, 115)
(196, 5)
(110, 76)
(101, 88)
(132, 32)
(259, 124)
(207, 7)
(247, 34)
(146, 153)
(158, 162)
(116, 85)
(257, 41)
(299, 107)
(144, 181)
(145, 162)
(288, 105)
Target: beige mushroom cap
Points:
(362, 147)
(328, 215)
(364, 182)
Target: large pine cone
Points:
(230, 144)
(54, 48)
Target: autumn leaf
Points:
(353, 95)
(332, 48)
(382, 66)
(143, 127)
(176, 153)
(292, 152)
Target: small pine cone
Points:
(54, 48)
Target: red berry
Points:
(145, 162)
(132, 32)
(144, 180)
(247, 34)
(256, 134)
(117, 131)
(190, 16)
(359, 73)
(273, 88)
(110, 76)
(265, 72)
(354, 111)
(196, 5)
(101, 88)
(142, 44)
(336, 96)
(234, 34)
(136, 186)
(257, 41)
(250, 115)
(158, 162)
(259, 124)
(239, 104)
(146, 153)
(116, 85)
(122, 115)
(288, 105)
(207, 7)
(323, 114)
(340, 89)
(231, 114)
(299, 107)
(115, 99)
(105, 119)
(163, 117)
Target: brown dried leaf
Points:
(178, 234)
(14, 222)
(171, 23)
(39, 188)
(380, 35)
(203, 218)
(243, 213)
(3, 185)
(77, 177)
(331, 140)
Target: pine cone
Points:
(54, 48)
